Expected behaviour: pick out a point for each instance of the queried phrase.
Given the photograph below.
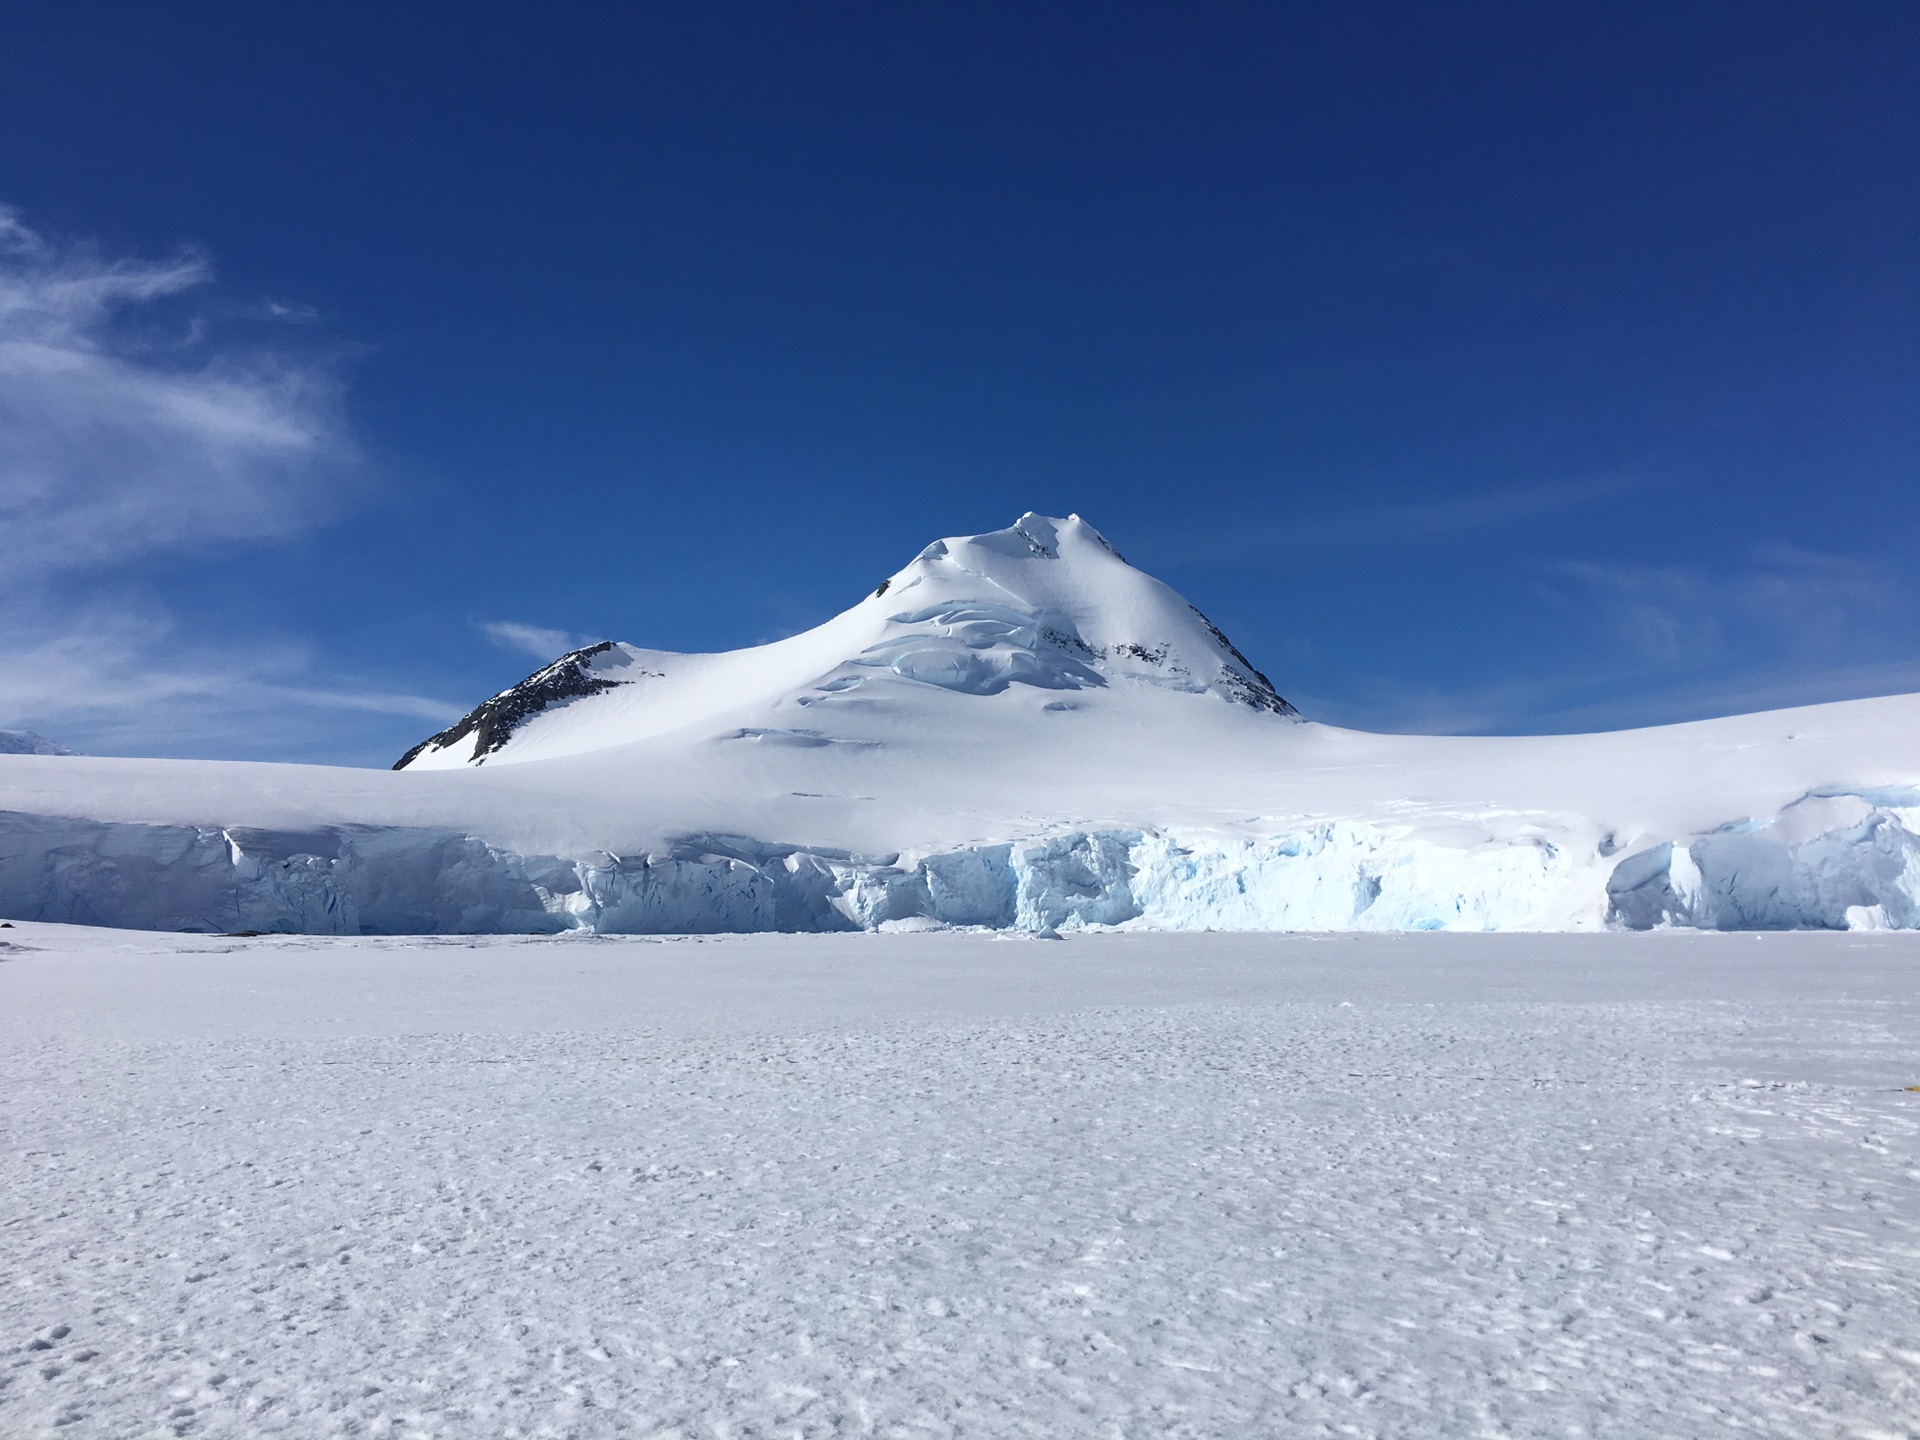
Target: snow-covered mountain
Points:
(1045, 605)
(1016, 730)
(26, 742)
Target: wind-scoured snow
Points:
(954, 1185)
(1018, 730)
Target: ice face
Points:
(1782, 876)
(1330, 876)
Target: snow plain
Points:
(1139, 1184)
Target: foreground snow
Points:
(1142, 1184)
(1017, 730)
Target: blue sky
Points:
(1495, 368)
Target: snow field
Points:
(1137, 1184)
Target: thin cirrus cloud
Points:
(110, 662)
(1601, 699)
(535, 640)
(1658, 644)
(125, 432)
(116, 441)
(1783, 604)
(1370, 527)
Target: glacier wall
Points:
(334, 881)
(1832, 861)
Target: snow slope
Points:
(1139, 1184)
(26, 742)
(1046, 605)
(1017, 729)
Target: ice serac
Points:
(1326, 877)
(387, 881)
(350, 880)
(1831, 861)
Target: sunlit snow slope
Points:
(1047, 605)
(1018, 729)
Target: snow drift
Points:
(1018, 730)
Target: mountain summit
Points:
(26, 742)
(1045, 605)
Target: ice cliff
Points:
(1862, 873)
(1831, 861)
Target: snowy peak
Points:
(1046, 604)
(1031, 536)
(26, 742)
(1051, 603)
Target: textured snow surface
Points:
(1659, 1185)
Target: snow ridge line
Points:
(493, 722)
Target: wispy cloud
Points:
(1609, 699)
(535, 640)
(1413, 521)
(1782, 603)
(287, 312)
(1654, 644)
(131, 424)
(112, 678)
(1464, 514)
(120, 436)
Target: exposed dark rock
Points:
(1069, 642)
(1240, 680)
(1042, 543)
(492, 724)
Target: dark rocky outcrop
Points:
(492, 724)
(1240, 680)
